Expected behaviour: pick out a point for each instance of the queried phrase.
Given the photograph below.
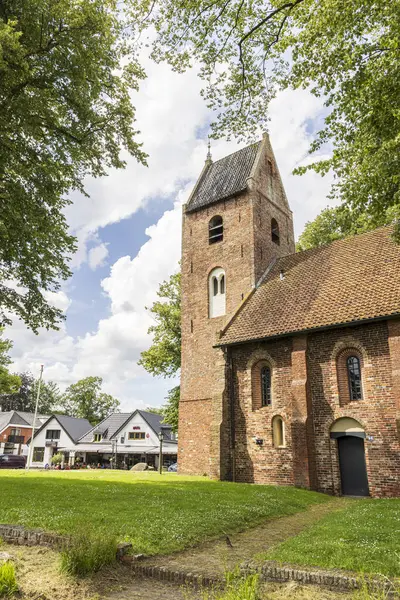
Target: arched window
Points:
(265, 386)
(278, 432)
(275, 231)
(215, 230)
(354, 377)
(349, 365)
(216, 292)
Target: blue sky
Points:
(129, 234)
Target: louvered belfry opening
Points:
(215, 230)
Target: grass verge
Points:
(87, 554)
(159, 514)
(364, 538)
(8, 580)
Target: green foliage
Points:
(159, 514)
(345, 52)
(363, 538)
(8, 383)
(56, 459)
(85, 400)
(25, 398)
(237, 587)
(337, 223)
(8, 580)
(88, 553)
(171, 408)
(65, 114)
(164, 355)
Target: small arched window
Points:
(275, 231)
(215, 230)
(278, 432)
(354, 377)
(216, 292)
(265, 376)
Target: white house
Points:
(126, 439)
(57, 434)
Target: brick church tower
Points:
(235, 223)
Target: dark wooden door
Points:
(353, 470)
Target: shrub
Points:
(56, 459)
(8, 580)
(87, 554)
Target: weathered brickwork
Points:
(224, 430)
(244, 254)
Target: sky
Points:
(129, 234)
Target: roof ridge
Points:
(235, 152)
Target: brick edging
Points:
(268, 571)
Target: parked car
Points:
(173, 468)
(12, 461)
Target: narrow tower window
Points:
(216, 287)
(278, 432)
(215, 230)
(275, 231)
(265, 386)
(354, 376)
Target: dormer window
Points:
(97, 437)
(215, 230)
(275, 231)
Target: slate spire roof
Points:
(348, 281)
(223, 178)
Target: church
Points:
(290, 361)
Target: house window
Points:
(53, 434)
(265, 386)
(275, 231)
(354, 377)
(97, 437)
(38, 455)
(215, 230)
(15, 432)
(278, 432)
(136, 435)
(216, 287)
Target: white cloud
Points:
(97, 256)
(170, 113)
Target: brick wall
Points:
(305, 393)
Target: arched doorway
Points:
(353, 470)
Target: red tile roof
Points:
(350, 280)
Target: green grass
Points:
(364, 537)
(88, 553)
(157, 513)
(8, 580)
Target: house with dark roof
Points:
(290, 361)
(58, 433)
(125, 439)
(16, 431)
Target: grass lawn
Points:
(364, 537)
(157, 513)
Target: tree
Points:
(65, 114)
(25, 398)
(8, 383)
(164, 355)
(337, 223)
(345, 52)
(85, 400)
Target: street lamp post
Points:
(28, 464)
(161, 438)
